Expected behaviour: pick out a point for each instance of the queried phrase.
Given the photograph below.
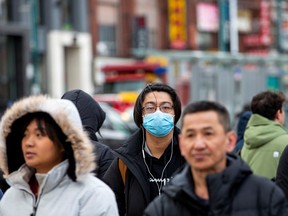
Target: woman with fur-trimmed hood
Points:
(47, 160)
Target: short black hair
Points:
(159, 87)
(267, 103)
(203, 106)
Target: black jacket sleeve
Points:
(278, 203)
(154, 208)
(104, 158)
(113, 178)
(3, 184)
(282, 172)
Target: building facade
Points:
(51, 46)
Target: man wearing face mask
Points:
(151, 155)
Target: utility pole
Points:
(279, 26)
(35, 88)
(223, 27)
(221, 34)
(234, 40)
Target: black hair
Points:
(267, 103)
(159, 87)
(203, 106)
(47, 126)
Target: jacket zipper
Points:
(35, 206)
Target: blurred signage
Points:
(244, 21)
(177, 23)
(262, 38)
(265, 22)
(259, 52)
(284, 39)
(207, 17)
(273, 82)
(140, 34)
(159, 60)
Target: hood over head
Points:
(242, 123)
(260, 131)
(91, 114)
(65, 115)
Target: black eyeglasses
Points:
(151, 108)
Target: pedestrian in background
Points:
(214, 182)
(147, 160)
(47, 160)
(265, 137)
(92, 117)
(241, 127)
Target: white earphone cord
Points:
(143, 154)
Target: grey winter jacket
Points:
(58, 194)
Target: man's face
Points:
(204, 142)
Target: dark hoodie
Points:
(92, 117)
(241, 126)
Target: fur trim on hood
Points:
(64, 114)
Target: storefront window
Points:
(107, 38)
(107, 16)
(3, 11)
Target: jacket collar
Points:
(21, 177)
(219, 184)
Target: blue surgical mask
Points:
(158, 123)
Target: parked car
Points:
(127, 116)
(114, 130)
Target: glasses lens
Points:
(166, 107)
(149, 108)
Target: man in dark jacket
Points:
(241, 126)
(282, 172)
(151, 155)
(214, 182)
(92, 117)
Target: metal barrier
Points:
(229, 79)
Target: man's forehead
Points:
(203, 118)
(191, 128)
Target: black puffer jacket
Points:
(92, 117)
(234, 191)
(3, 184)
(137, 194)
(282, 172)
(241, 127)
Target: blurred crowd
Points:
(177, 161)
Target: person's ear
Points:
(231, 141)
(180, 138)
(278, 114)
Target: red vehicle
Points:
(123, 82)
